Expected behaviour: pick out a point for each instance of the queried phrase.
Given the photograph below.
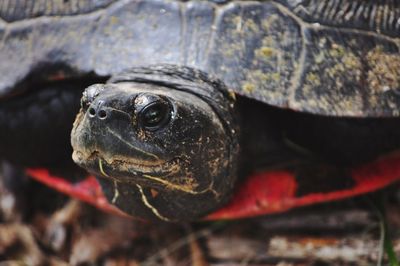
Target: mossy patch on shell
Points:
(384, 70)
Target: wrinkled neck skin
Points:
(163, 147)
(35, 127)
(36, 117)
(275, 138)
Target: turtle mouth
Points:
(98, 162)
(163, 174)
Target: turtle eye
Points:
(155, 115)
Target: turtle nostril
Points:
(102, 114)
(92, 112)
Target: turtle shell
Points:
(324, 57)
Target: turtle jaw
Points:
(158, 175)
(133, 166)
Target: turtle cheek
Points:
(204, 178)
(198, 138)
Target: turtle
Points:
(185, 103)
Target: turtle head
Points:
(162, 141)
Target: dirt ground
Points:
(42, 227)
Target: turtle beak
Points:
(103, 134)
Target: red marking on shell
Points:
(262, 193)
(273, 192)
(87, 190)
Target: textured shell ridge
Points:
(330, 57)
